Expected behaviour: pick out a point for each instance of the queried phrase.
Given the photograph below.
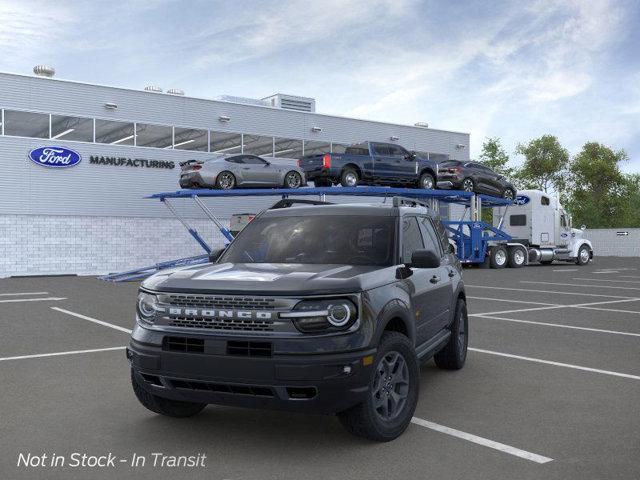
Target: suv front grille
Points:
(221, 324)
(183, 344)
(254, 390)
(249, 349)
(213, 301)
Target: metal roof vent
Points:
(44, 71)
(175, 91)
(153, 88)
(292, 102)
(422, 124)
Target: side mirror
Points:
(583, 227)
(214, 255)
(425, 259)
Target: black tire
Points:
(546, 262)
(427, 179)
(509, 194)
(225, 180)
(164, 406)
(292, 180)
(349, 178)
(366, 420)
(517, 257)
(584, 255)
(322, 182)
(454, 354)
(468, 185)
(498, 257)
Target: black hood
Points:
(274, 279)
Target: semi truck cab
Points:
(538, 221)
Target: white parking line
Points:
(45, 299)
(513, 301)
(580, 285)
(22, 293)
(530, 290)
(94, 320)
(588, 306)
(566, 269)
(559, 325)
(485, 442)
(57, 354)
(518, 310)
(604, 280)
(556, 364)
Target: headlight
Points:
(316, 316)
(147, 307)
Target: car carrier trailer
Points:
(474, 241)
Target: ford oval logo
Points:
(521, 200)
(56, 157)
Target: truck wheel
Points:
(498, 258)
(349, 178)
(583, 255)
(164, 406)
(517, 257)
(393, 392)
(454, 354)
(427, 181)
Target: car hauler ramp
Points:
(471, 236)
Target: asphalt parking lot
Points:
(550, 390)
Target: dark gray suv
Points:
(312, 308)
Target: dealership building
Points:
(91, 217)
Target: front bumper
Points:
(311, 383)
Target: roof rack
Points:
(409, 202)
(290, 202)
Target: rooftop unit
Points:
(291, 102)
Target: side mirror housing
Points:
(425, 259)
(214, 255)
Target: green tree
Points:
(495, 157)
(599, 192)
(545, 165)
(631, 202)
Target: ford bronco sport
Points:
(312, 308)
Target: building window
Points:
(157, 136)
(26, 124)
(115, 133)
(338, 147)
(287, 148)
(258, 145)
(72, 128)
(316, 148)
(224, 142)
(190, 139)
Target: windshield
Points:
(318, 239)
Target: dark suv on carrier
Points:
(312, 308)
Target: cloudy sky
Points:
(515, 70)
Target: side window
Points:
(544, 200)
(411, 238)
(381, 149)
(563, 221)
(396, 151)
(431, 241)
(517, 220)
(238, 159)
(442, 234)
(253, 160)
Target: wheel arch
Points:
(395, 317)
(354, 167)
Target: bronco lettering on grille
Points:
(205, 312)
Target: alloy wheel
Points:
(508, 194)
(351, 179)
(467, 185)
(390, 386)
(293, 180)
(226, 181)
(427, 182)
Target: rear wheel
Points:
(427, 181)
(393, 392)
(292, 179)
(508, 194)
(225, 180)
(454, 354)
(468, 185)
(517, 257)
(164, 406)
(349, 178)
(498, 257)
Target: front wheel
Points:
(498, 257)
(508, 194)
(427, 181)
(292, 180)
(468, 185)
(393, 392)
(454, 354)
(584, 255)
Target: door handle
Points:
(435, 279)
(246, 168)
